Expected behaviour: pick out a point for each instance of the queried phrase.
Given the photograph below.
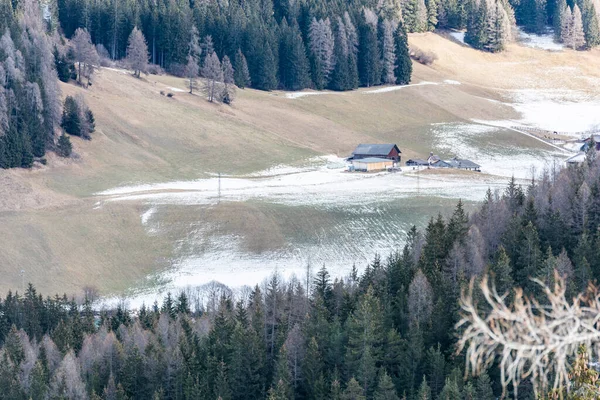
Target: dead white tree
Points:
(531, 340)
(137, 53)
(213, 77)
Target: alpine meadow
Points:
(299, 199)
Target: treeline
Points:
(287, 45)
(387, 334)
(575, 22)
(30, 102)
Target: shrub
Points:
(169, 95)
(423, 57)
(64, 146)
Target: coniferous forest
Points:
(388, 333)
(263, 44)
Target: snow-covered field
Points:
(372, 212)
(544, 41)
(366, 213)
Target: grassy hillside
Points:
(52, 227)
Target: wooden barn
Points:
(372, 164)
(387, 151)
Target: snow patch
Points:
(177, 90)
(297, 95)
(544, 41)
(398, 87)
(459, 36)
(147, 215)
(451, 82)
(465, 141)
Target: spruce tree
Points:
(404, 64)
(424, 392)
(432, 14)
(385, 388)
(369, 62)
(241, 72)
(591, 26)
(353, 391)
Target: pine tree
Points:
(369, 61)
(353, 391)
(591, 26)
(502, 272)
(385, 388)
(578, 35)
(404, 65)
(450, 391)
(294, 66)
(432, 14)
(241, 72)
(64, 146)
(421, 17)
(389, 53)
(71, 120)
(483, 388)
(424, 392)
(558, 19)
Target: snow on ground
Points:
(451, 82)
(544, 41)
(297, 95)
(177, 90)
(398, 87)
(558, 110)
(460, 36)
(320, 186)
(564, 111)
(462, 141)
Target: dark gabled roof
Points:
(440, 164)
(370, 160)
(375, 149)
(416, 161)
(458, 163)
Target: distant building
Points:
(434, 161)
(388, 151)
(464, 164)
(577, 158)
(372, 164)
(417, 162)
(586, 142)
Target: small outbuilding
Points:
(388, 151)
(576, 159)
(417, 162)
(372, 164)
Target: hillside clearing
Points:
(64, 236)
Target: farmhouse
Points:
(372, 164)
(388, 151)
(464, 164)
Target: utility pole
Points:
(219, 195)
